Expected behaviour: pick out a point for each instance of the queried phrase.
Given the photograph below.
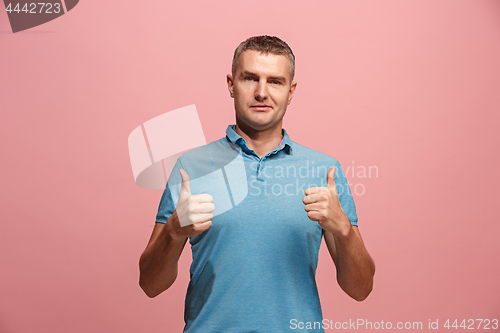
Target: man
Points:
(254, 265)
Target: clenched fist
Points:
(323, 206)
(194, 212)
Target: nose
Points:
(261, 92)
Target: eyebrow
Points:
(279, 78)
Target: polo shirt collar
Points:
(235, 138)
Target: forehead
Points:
(265, 64)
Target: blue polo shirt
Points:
(254, 269)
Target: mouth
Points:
(261, 107)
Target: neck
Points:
(262, 142)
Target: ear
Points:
(291, 92)
(230, 84)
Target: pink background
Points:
(411, 87)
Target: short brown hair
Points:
(264, 44)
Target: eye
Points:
(249, 78)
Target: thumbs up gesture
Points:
(194, 212)
(323, 206)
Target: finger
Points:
(202, 226)
(312, 190)
(202, 198)
(200, 218)
(204, 208)
(316, 206)
(185, 181)
(313, 215)
(330, 178)
(308, 199)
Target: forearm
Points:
(158, 263)
(355, 267)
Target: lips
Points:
(261, 107)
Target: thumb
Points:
(330, 178)
(185, 181)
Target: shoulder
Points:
(309, 153)
(208, 158)
(205, 150)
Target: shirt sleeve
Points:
(168, 199)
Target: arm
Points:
(158, 262)
(355, 267)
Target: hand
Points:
(323, 206)
(194, 212)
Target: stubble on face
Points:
(261, 90)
